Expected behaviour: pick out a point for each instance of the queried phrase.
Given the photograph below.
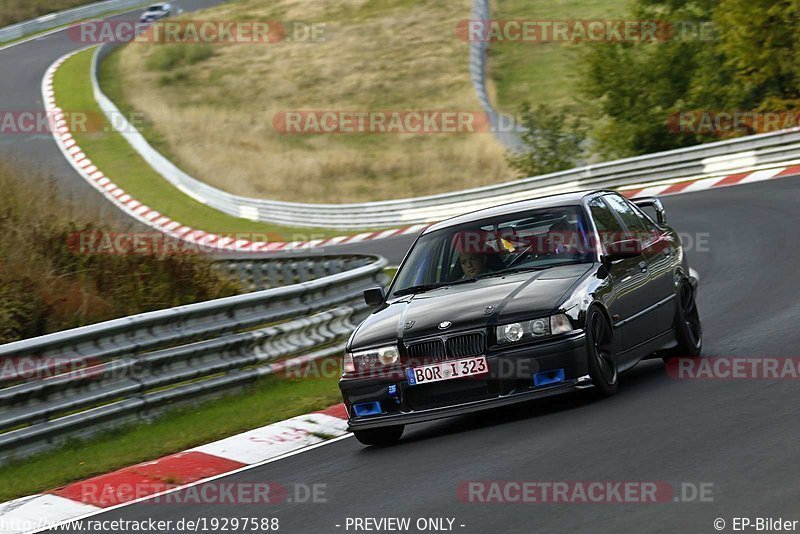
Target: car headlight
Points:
(364, 360)
(536, 328)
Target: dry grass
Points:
(47, 285)
(215, 114)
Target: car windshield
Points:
(529, 240)
(155, 8)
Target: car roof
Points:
(549, 201)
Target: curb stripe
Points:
(732, 179)
(176, 471)
(146, 478)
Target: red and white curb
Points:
(675, 187)
(146, 215)
(172, 473)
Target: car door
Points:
(662, 256)
(650, 321)
(628, 282)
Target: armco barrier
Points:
(61, 18)
(76, 382)
(257, 272)
(477, 73)
(712, 159)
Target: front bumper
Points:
(510, 380)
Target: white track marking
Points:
(39, 510)
(197, 483)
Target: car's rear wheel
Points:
(600, 351)
(380, 437)
(688, 329)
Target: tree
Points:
(552, 141)
(750, 65)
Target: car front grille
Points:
(439, 349)
(426, 352)
(465, 345)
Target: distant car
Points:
(519, 302)
(157, 11)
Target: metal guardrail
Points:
(76, 382)
(258, 273)
(717, 158)
(62, 18)
(477, 72)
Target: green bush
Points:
(46, 284)
(746, 62)
(22, 311)
(552, 141)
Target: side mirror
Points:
(374, 296)
(654, 204)
(621, 250)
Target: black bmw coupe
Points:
(518, 302)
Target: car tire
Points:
(688, 328)
(601, 354)
(380, 437)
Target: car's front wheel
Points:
(380, 437)
(600, 351)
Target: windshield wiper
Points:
(415, 289)
(427, 287)
(515, 270)
(529, 268)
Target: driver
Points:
(560, 238)
(473, 264)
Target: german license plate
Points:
(447, 370)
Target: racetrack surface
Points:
(740, 436)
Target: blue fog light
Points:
(394, 394)
(367, 408)
(548, 377)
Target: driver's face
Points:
(472, 264)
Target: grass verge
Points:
(119, 161)
(269, 400)
(543, 73)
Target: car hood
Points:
(468, 306)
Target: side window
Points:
(635, 223)
(608, 226)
